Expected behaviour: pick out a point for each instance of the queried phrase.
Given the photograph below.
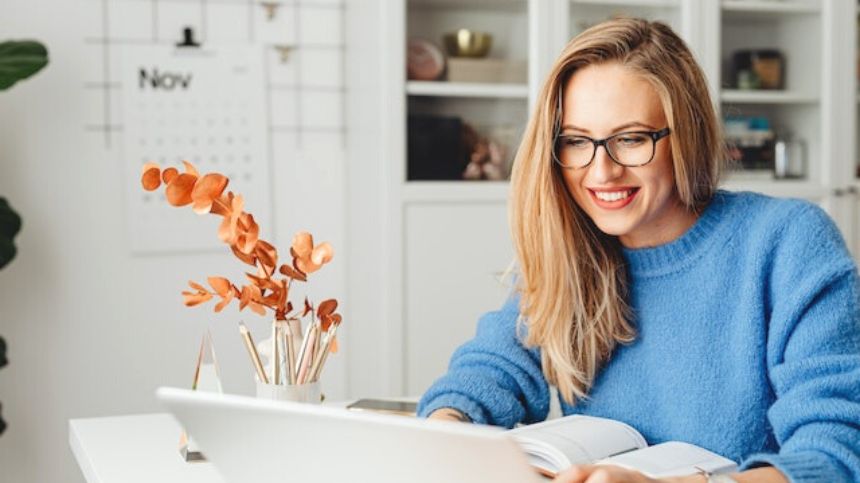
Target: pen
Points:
(252, 352)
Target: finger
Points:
(574, 474)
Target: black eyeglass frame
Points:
(596, 143)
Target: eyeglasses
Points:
(630, 149)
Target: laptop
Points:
(251, 440)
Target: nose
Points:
(603, 169)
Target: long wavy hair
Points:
(572, 277)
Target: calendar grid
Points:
(105, 42)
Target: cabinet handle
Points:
(851, 190)
(838, 192)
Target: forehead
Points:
(602, 96)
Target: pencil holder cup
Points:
(304, 393)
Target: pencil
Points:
(321, 358)
(307, 354)
(252, 352)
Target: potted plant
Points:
(18, 60)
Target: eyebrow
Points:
(571, 127)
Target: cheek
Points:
(573, 181)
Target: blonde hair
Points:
(572, 277)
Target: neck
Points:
(674, 223)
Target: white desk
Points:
(134, 449)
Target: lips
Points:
(613, 199)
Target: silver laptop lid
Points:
(252, 440)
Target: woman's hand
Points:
(449, 414)
(613, 474)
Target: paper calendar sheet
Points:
(206, 106)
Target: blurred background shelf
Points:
(770, 7)
(766, 97)
(455, 191)
(466, 89)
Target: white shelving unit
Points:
(446, 241)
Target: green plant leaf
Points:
(19, 60)
(10, 225)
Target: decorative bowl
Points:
(467, 43)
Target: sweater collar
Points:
(671, 256)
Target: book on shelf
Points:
(553, 446)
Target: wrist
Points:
(696, 478)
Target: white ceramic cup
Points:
(305, 393)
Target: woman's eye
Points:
(631, 140)
(576, 142)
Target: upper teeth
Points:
(612, 195)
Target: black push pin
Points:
(271, 9)
(188, 38)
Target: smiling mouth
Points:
(613, 199)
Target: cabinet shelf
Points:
(467, 89)
(786, 7)
(629, 3)
(766, 97)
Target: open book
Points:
(552, 446)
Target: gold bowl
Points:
(467, 43)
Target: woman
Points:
(646, 295)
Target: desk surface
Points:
(134, 449)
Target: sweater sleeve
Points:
(813, 353)
(494, 379)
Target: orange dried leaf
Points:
(206, 191)
(292, 273)
(197, 286)
(151, 177)
(227, 230)
(308, 307)
(303, 244)
(190, 169)
(306, 266)
(221, 206)
(322, 254)
(168, 174)
(226, 299)
(249, 233)
(262, 282)
(244, 297)
(220, 284)
(199, 296)
(249, 259)
(195, 298)
(179, 189)
(257, 308)
(267, 254)
(326, 307)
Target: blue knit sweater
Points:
(748, 345)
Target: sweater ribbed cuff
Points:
(797, 467)
(455, 401)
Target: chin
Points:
(613, 227)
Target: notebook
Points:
(555, 445)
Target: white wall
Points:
(92, 330)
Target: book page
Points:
(673, 458)
(554, 445)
